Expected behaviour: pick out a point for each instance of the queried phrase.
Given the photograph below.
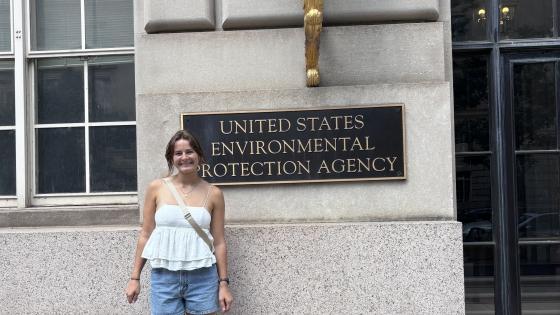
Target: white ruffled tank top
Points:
(174, 244)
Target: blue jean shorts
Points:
(191, 291)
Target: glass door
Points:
(531, 95)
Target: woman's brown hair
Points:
(169, 150)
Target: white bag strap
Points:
(187, 214)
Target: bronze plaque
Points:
(304, 145)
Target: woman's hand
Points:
(225, 297)
(132, 290)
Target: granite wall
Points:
(358, 268)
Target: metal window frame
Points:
(507, 297)
(82, 23)
(20, 80)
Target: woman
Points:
(186, 276)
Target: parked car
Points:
(529, 225)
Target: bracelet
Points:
(138, 279)
(226, 279)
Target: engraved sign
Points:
(311, 145)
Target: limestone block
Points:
(426, 193)
(358, 268)
(139, 17)
(274, 59)
(178, 15)
(284, 13)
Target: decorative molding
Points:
(313, 24)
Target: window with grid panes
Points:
(80, 102)
(84, 125)
(506, 73)
(7, 130)
(5, 26)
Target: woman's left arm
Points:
(217, 230)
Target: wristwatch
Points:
(226, 279)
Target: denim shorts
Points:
(191, 291)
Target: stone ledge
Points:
(70, 216)
(286, 13)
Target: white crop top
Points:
(174, 244)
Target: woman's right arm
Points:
(148, 225)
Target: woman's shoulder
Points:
(156, 184)
(214, 191)
(210, 186)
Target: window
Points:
(7, 108)
(473, 179)
(84, 125)
(5, 26)
(73, 24)
(506, 72)
(7, 130)
(75, 83)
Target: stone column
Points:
(368, 247)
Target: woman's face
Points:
(185, 158)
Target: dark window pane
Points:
(540, 278)
(534, 103)
(5, 32)
(469, 19)
(479, 279)
(109, 23)
(111, 89)
(7, 94)
(60, 91)
(474, 206)
(470, 89)
(56, 25)
(8, 164)
(60, 160)
(538, 195)
(526, 19)
(113, 158)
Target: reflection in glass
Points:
(470, 89)
(526, 19)
(56, 25)
(111, 89)
(535, 108)
(5, 23)
(60, 91)
(8, 162)
(474, 207)
(113, 158)
(109, 23)
(60, 160)
(7, 94)
(469, 20)
(479, 279)
(538, 195)
(540, 278)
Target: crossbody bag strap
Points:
(187, 214)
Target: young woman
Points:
(188, 275)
